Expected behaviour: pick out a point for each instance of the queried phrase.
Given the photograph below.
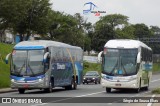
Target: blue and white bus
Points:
(126, 64)
(44, 65)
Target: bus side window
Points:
(47, 61)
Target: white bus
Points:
(126, 64)
(44, 65)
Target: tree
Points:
(142, 31)
(125, 33)
(25, 16)
(155, 30)
(65, 28)
(105, 29)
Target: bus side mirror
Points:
(100, 56)
(45, 57)
(139, 57)
(7, 58)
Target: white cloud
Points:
(138, 11)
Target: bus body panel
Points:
(144, 68)
(59, 68)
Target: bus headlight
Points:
(103, 76)
(12, 80)
(40, 80)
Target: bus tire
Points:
(73, 85)
(108, 90)
(147, 87)
(21, 90)
(95, 82)
(49, 89)
(139, 88)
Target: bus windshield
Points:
(27, 63)
(120, 61)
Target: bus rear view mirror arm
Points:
(100, 56)
(138, 57)
(45, 57)
(7, 57)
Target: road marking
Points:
(141, 94)
(150, 104)
(67, 98)
(90, 94)
(155, 80)
(39, 104)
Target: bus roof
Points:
(125, 43)
(42, 44)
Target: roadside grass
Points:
(91, 67)
(156, 67)
(156, 91)
(4, 68)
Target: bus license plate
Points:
(118, 84)
(25, 85)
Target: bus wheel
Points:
(21, 90)
(49, 90)
(138, 89)
(74, 84)
(108, 90)
(95, 82)
(147, 87)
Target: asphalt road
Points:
(90, 90)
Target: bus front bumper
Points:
(29, 85)
(127, 84)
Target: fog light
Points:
(134, 85)
(12, 80)
(39, 80)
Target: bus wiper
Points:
(31, 70)
(123, 67)
(114, 68)
(21, 68)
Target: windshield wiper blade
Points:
(114, 68)
(31, 69)
(21, 68)
(123, 67)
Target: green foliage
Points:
(156, 67)
(91, 67)
(4, 75)
(105, 29)
(125, 33)
(4, 68)
(37, 17)
(142, 30)
(156, 91)
(24, 16)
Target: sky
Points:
(138, 11)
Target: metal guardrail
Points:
(94, 59)
(91, 59)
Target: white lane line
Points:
(150, 104)
(155, 80)
(141, 94)
(68, 98)
(97, 93)
(90, 94)
(39, 104)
